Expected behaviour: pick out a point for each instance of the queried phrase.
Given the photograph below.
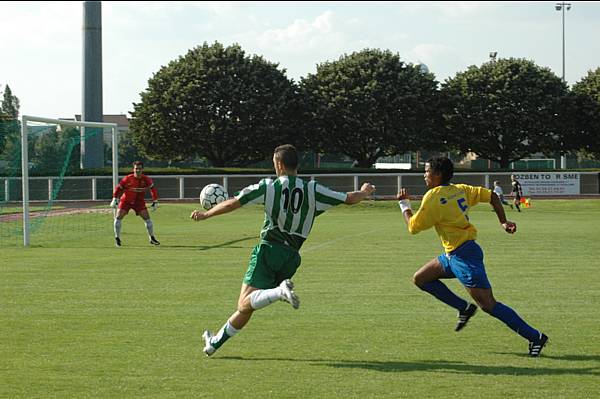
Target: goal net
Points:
(46, 198)
(534, 164)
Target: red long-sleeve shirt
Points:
(133, 189)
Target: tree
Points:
(128, 150)
(585, 114)
(370, 104)
(505, 110)
(9, 118)
(51, 150)
(10, 104)
(217, 103)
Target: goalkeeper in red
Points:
(445, 206)
(132, 190)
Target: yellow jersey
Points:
(447, 208)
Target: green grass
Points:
(80, 318)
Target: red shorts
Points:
(137, 206)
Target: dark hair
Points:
(442, 166)
(139, 163)
(287, 155)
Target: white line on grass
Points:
(327, 243)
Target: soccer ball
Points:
(211, 195)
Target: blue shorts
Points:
(466, 264)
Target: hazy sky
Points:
(41, 42)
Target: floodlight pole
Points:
(562, 6)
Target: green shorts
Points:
(270, 264)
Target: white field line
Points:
(330, 242)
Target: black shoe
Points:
(117, 242)
(154, 241)
(535, 347)
(464, 316)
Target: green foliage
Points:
(10, 104)
(370, 104)
(585, 114)
(9, 120)
(215, 102)
(128, 151)
(589, 85)
(505, 110)
(10, 132)
(51, 151)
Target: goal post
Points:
(25, 120)
(534, 163)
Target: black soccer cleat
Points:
(535, 347)
(154, 241)
(464, 316)
(117, 242)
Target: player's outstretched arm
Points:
(507, 225)
(224, 207)
(404, 202)
(354, 197)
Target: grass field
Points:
(81, 318)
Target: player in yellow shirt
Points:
(445, 206)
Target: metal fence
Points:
(188, 187)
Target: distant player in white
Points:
(291, 205)
(500, 194)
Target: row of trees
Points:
(217, 103)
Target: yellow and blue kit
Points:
(446, 208)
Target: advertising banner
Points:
(549, 183)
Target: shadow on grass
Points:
(571, 358)
(227, 244)
(434, 366)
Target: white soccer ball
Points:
(211, 195)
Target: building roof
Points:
(120, 119)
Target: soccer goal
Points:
(534, 163)
(43, 194)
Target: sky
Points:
(41, 42)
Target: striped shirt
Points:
(291, 205)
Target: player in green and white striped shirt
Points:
(291, 205)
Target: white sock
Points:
(149, 227)
(261, 298)
(117, 226)
(226, 332)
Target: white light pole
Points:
(563, 7)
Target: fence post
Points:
(94, 189)
(226, 184)
(181, 188)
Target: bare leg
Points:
(244, 310)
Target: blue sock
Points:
(517, 324)
(443, 293)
